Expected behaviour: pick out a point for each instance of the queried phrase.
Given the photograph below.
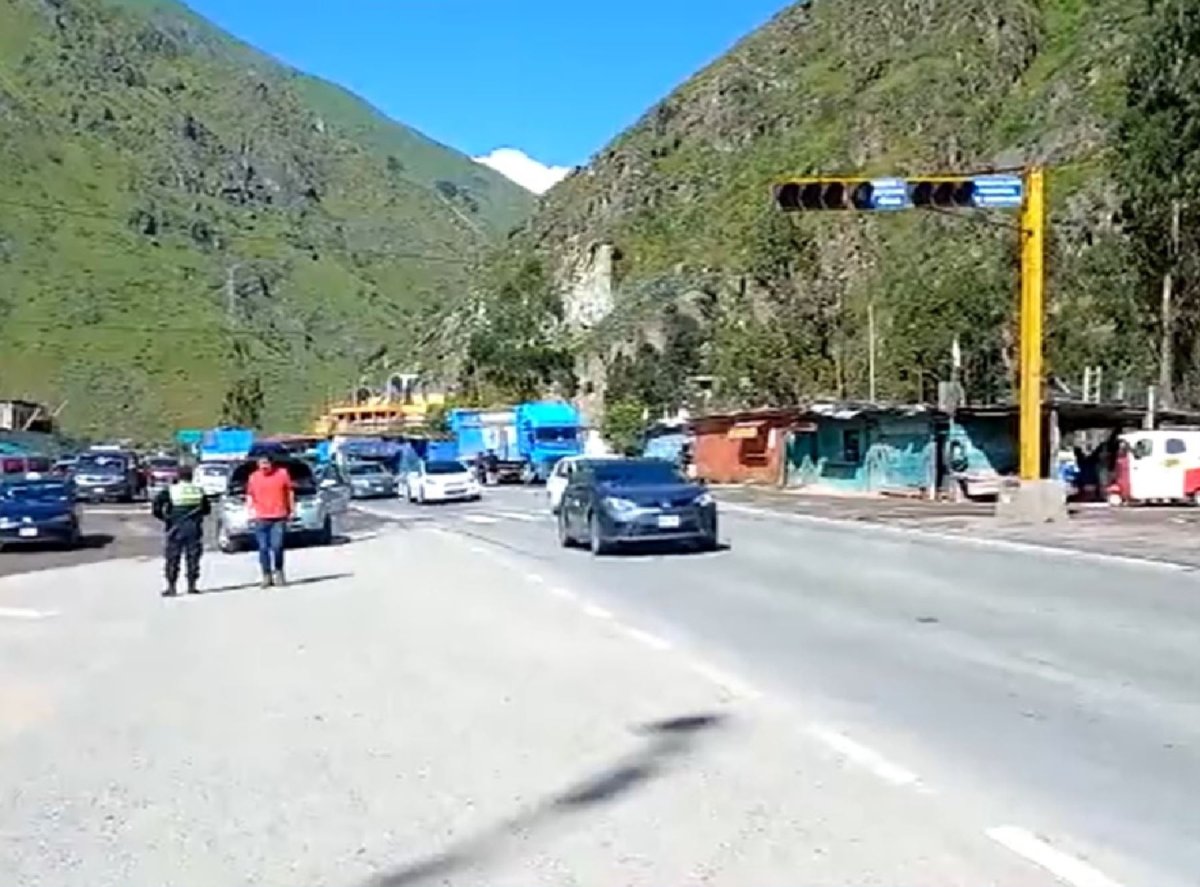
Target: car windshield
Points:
(445, 468)
(100, 465)
(634, 474)
(163, 464)
(555, 434)
(213, 470)
(364, 470)
(35, 493)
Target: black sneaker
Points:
(192, 589)
(169, 591)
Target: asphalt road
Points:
(453, 699)
(1052, 690)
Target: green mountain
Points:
(191, 230)
(707, 277)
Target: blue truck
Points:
(527, 439)
(226, 444)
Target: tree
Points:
(1159, 151)
(624, 425)
(244, 403)
(515, 352)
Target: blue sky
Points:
(553, 78)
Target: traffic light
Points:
(948, 193)
(806, 195)
(987, 191)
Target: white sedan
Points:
(441, 481)
(560, 477)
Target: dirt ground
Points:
(1163, 533)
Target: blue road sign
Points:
(889, 194)
(997, 192)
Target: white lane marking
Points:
(859, 754)
(725, 680)
(650, 640)
(535, 579)
(560, 592)
(109, 512)
(24, 613)
(482, 519)
(478, 549)
(520, 515)
(1066, 868)
(597, 612)
(959, 538)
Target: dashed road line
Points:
(1063, 866)
(481, 519)
(520, 516)
(560, 592)
(26, 614)
(726, 681)
(598, 612)
(864, 757)
(649, 639)
(535, 579)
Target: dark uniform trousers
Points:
(184, 541)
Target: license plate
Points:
(668, 522)
(27, 532)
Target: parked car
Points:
(34, 510)
(370, 480)
(18, 465)
(441, 481)
(563, 471)
(108, 476)
(332, 482)
(212, 477)
(613, 502)
(312, 521)
(161, 472)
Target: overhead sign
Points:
(889, 194)
(997, 192)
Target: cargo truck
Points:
(527, 440)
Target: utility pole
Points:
(871, 350)
(1166, 358)
(1033, 229)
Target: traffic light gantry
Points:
(956, 192)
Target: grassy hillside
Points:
(185, 223)
(712, 279)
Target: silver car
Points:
(312, 521)
(370, 480)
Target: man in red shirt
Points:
(271, 499)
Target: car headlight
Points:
(7, 523)
(704, 500)
(617, 505)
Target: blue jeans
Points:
(269, 536)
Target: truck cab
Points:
(547, 431)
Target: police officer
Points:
(182, 508)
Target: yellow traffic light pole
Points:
(1033, 230)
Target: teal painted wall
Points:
(893, 453)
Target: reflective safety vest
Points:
(186, 495)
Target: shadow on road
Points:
(291, 583)
(634, 550)
(668, 743)
(90, 542)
